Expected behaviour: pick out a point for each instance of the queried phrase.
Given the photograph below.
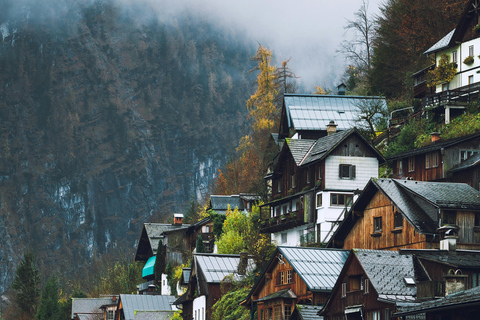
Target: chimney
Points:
(242, 265)
(449, 239)
(435, 137)
(177, 219)
(455, 281)
(331, 127)
(342, 88)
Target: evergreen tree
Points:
(200, 247)
(49, 307)
(26, 286)
(159, 265)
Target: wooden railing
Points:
(282, 222)
(458, 96)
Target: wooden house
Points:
(370, 285)
(313, 182)
(306, 116)
(207, 272)
(433, 162)
(296, 278)
(393, 214)
(91, 308)
(129, 304)
(467, 171)
(243, 201)
(461, 47)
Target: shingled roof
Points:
(387, 271)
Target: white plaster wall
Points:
(199, 306)
(366, 168)
(293, 237)
(165, 286)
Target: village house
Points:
(130, 304)
(313, 184)
(243, 201)
(439, 161)
(296, 278)
(394, 214)
(206, 274)
(461, 47)
(370, 285)
(102, 308)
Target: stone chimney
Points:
(455, 281)
(331, 127)
(242, 265)
(435, 137)
(342, 88)
(177, 219)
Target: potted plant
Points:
(293, 215)
(468, 60)
(476, 29)
(272, 221)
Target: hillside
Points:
(108, 120)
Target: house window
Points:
(355, 283)
(319, 200)
(338, 199)
(449, 217)
(288, 312)
(373, 315)
(470, 79)
(344, 290)
(377, 224)
(280, 278)
(208, 246)
(285, 209)
(475, 280)
(289, 276)
(347, 171)
(454, 56)
(110, 315)
(445, 86)
(294, 182)
(308, 176)
(318, 175)
(431, 160)
(411, 164)
(284, 237)
(366, 286)
(470, 51)
(399, 167)
(465, 154)
(277, 313)
(477, 219)
(397, 220)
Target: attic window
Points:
(409, 281)
(397, 220)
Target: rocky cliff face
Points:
(108, 119)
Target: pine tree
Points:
(26, 286)
(49, 307)
(200, 247)
(159, 266)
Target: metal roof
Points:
(319, 268)
(153, 315)
(215, 267)
(314, 112)
(88, 305)
(220, 203)
(132, 302)
(442, 43)
(387, 271)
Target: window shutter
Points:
(352, 171)
(340, 170)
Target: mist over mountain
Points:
(110, 117)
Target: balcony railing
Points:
(283, 222)
(459, 96)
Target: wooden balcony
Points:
(456, 97)
(283, 222)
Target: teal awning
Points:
(149, 268)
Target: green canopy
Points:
(149, 268)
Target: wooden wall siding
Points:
(420, 173)
(354, 146)
(361, 234)
(369, 300)
(452, 154)
(466, 223)
(366, 168)
(470, 177)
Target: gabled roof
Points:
(462, 299)
(387, 271)
(465, 259)
(132, 302)
(215, 267)
(471, 162)
(434, 147)
(441, 44)
(306, 312)
(88, 305)
(417, 201)
(314, 112)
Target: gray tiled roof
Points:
(88, 305)
(469, 163)
(442, 43)
(221, 203)
(444, 194)
(324, 145)
(155, 231)
(458, 259)
(299, 148)
(314, 112)
(387, 271)
(280, 294)
(308, 312)
(319, 268)
(215, 267)
(153, 315)
(132, 302)
(455, 300)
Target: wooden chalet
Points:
(393, 214)
(207, 272)
(370, 285)
(434, 162)
(296, 278)
(312, 184)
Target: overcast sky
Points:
(307, 31)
